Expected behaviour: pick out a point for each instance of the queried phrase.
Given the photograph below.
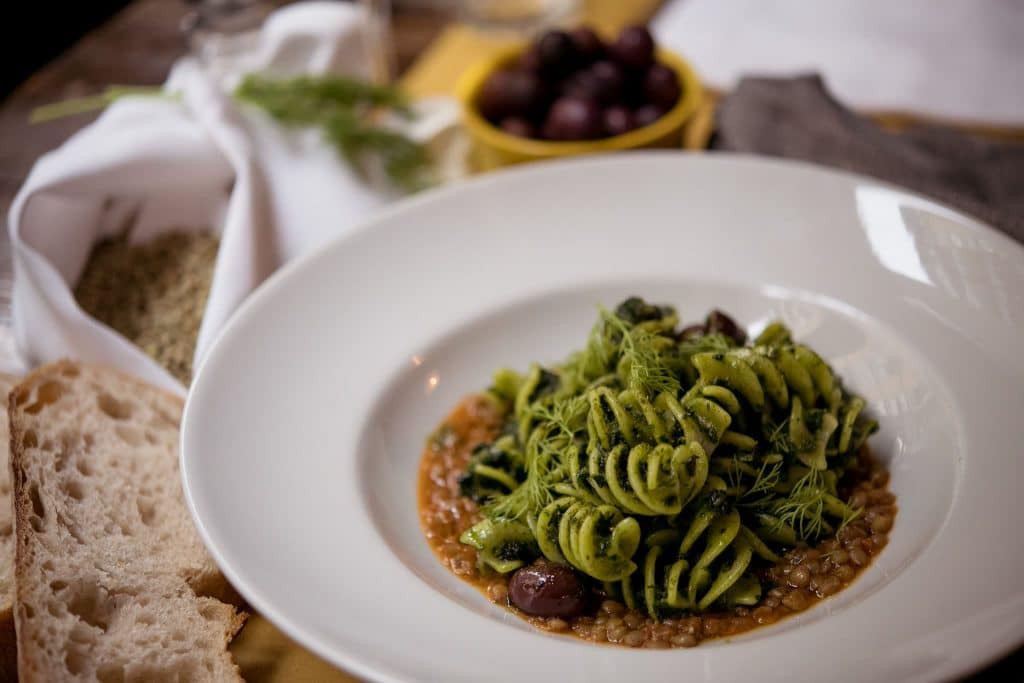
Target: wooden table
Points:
(137, 47)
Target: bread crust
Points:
(8, 647)
(19, 501)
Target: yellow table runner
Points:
(262, 652)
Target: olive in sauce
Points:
(547, 589)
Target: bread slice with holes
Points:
(112, 580)
(8, 656)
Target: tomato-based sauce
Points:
(803, 577)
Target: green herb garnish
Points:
(345, 109)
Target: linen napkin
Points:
(954, 60)
(200, 161)
(798, 118)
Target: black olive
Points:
(634, 48)
(556, 53)
(720, 323)
(529, 60)
(583, 84)
(546, 589)
(574, 118)
(690, 332)
(511, 92)
(661, 86)
(618, 120)
(610, 81)
(589, 45)
(517, 125)
(647, 114)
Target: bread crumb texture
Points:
(113, 582)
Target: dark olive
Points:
(618, 120)
(691, 332)
(556, 53)
(661, 86)
(574, 118)
(517, 125)
(583, 84)
(589, 45)
(647, 114)
(610, 80)
(719, 322)
(511, 92)
(546, 589)
(529, 59)
(634, 48)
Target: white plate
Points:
(305, 424)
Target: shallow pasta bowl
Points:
(305, 425)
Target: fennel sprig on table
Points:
(90, 103)
(309, 99)
(347, 110)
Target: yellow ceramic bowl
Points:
(494, 147)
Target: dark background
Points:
(40, 30)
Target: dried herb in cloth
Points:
(154, 293)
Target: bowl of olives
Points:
(573, 92)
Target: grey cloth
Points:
(798, 118)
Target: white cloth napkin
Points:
(201, 162)
(951, 59)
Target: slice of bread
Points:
(8, 656)
(112, 580)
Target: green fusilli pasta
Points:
(666, 467)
